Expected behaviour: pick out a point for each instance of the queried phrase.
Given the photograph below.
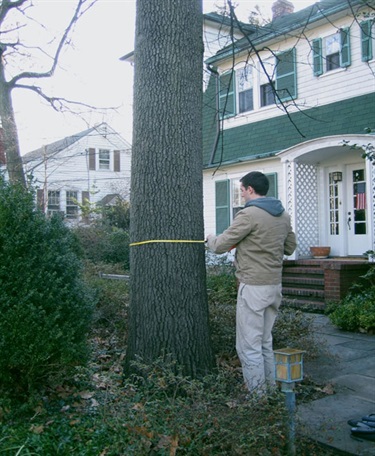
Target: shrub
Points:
(103, 243)
(111, 311)
(45, 307)
(357, 310)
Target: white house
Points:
(89, 167)
(283, 100)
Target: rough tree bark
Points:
(10, 133)
(168, 309)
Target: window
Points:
(103, 159)
(244, 84)
(71, 204)
(331, 52)
(236, 88)
(367, 40)
(229, 202)
(267, 82)
(53, 206)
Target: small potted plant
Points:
(370, 255)
(320, 252)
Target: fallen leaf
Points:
(37, 429)
(94, 403)
(86, 394)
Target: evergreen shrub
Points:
(104, 243)
(356, 312)
(45, 307)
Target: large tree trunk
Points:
(168, 310)
(10, 133)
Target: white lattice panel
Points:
(307, 220)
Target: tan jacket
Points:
(261, 241)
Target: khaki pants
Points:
(257, 308)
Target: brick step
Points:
(314, 270)
(287, 291)
(303, 282)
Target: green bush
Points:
(103, 243)
(45, 307)
(357, 310)
(112, 296)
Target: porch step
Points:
(303, 286)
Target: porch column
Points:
(289, 167)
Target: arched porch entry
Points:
(330, 194)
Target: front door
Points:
(356, 217)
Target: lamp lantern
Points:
(289, 365)
(288, 370)
(337, 176)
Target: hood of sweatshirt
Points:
(269, 204)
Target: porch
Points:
(311, 283)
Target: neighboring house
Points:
(90, 167)
(282, 100)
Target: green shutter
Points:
(345, 59)
(286, 75)
(366, 40)
(317, 56)
(227, 95)
(222, 202)
(272, 191)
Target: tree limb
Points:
(82, 7)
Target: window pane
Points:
(71, 204)
(103, 159)
(245, 101)
(267, 95)
(53, 202)
(332, 44)
(333, 61)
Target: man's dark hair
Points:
(258, 181)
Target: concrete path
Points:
(349, 365)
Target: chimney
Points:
(281, 8)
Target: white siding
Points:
(69, 168)
(337, 85)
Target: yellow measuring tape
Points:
(165, 240)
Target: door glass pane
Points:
(359, 201)
(334, 215)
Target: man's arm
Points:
(239, 229)
(290, 243)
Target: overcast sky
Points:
(91, 71)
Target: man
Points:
(262, 235)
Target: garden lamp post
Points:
(289, 369)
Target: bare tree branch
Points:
(59, 104)
(7, 5)
(82, 7)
